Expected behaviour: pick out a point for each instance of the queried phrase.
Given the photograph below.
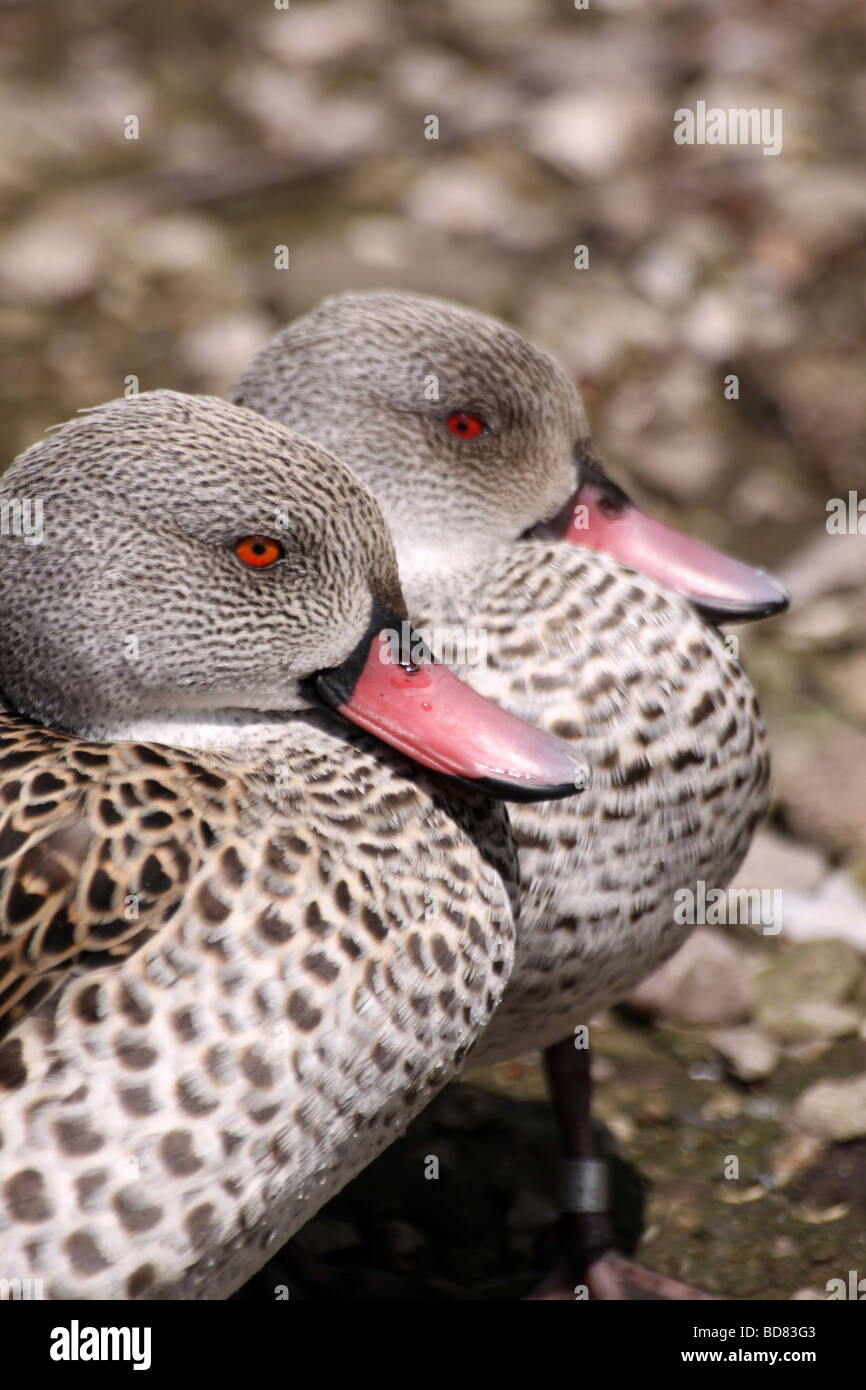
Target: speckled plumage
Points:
(231, 970)
(666, 720)
(670, 729)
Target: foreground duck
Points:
(223, 987)
(477, 447)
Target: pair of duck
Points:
(257, 905)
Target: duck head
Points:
(471, 438)
(201, 567)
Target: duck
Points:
(257, 897)
(600, 625)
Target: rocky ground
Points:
(153, 258)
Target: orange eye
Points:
(464, 426)
(259, 552)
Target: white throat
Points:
(215, 729)
(436, 560)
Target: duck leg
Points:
(590, 1257)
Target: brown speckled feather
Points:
(239, 957)
(669, 726)
(667, 723)
(302, 985)
(97, 845)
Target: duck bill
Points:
(427, 713)
(602, 517)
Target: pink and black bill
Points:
(602, 517)
(423, 710)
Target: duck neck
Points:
(237, 735)
(435, 594)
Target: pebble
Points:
(462, 197)
(775, 861)
(175, 244)
(738, 1197)
(801, 996)
(845, 678)
(813, 970)
(836, 910)
(833, 1110)
(707, 981)
(682, 465)
(327, 33)
(590, 133)
(714, 326)
(825, 565)
(48, 260)
(810, 1021)
(750, 1055)
(793, 1155)
(379, 241)
(821, 788)
(296, 118)
(217, 350)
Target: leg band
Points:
(585, 1186)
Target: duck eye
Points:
(465, 426)
(259, 552)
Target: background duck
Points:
(224, 985)
(477, 446)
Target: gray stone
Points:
(837, 909)
(812, 970)
(707, 981)
(810, 1020)
(834, 1110)
(775, 861)
(750, 1055)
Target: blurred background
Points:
(154, 258)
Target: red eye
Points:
(464, 426)
(258, 551)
